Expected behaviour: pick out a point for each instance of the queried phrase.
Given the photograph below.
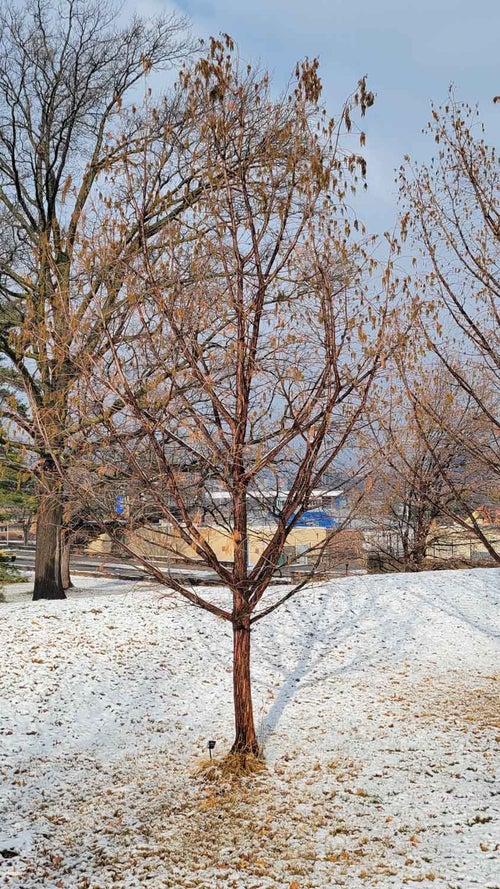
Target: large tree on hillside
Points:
(451, 216)
(65, 70)
(248, 341)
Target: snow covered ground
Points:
(377, 698)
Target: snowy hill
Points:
(377, 698)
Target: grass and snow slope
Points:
(377, 699)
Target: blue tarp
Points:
(315, 518)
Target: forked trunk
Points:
(245, 738)
(48, 581)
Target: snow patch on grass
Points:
(377, 698)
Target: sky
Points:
(411, 53)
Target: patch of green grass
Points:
(9, 574)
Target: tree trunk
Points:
(48, 581)
(245, 739)
(418, 551)
(65, 555)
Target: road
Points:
(126, 569)
(110, 566)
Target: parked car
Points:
(6, 555)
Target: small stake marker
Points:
(211, 745)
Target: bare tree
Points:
(424, 472)
(65, 71)
(462, 445)
(451, 214)
(248, 343)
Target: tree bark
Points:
(65, 556)
(245, 738)
(48, 581)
